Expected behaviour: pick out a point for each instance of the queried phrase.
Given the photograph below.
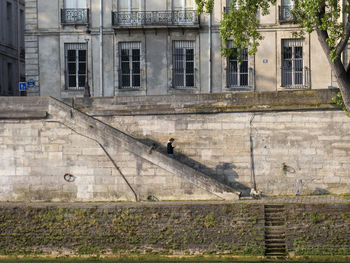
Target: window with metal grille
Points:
(237, 69)
(292, 62)
(286, 8)
(183, 64)
(76, 67)
(130, 69)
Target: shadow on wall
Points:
(320, 191)
(224, 172)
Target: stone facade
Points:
(158, 32)
(11, 46)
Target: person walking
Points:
(170, 147)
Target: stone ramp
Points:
(110, 138)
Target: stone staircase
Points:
(275, 239)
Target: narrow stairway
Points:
(275, 239)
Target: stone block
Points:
(55, 156)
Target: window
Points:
(75, 4)
(183, 64)
(183, 5)
(129, 5)
(9, 79)
(75, 12)
(228, 5)
(9, 22)
(183, 12)
(76, 66)
(130, 70)
(285, 9)
(237, 71)
(292, 62)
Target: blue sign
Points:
(31, 83)
(22, 86)
(265, 61)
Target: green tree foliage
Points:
(330, 19)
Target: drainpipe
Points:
(18, 45)
(101, 49)
(209, 44)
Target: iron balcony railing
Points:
(75, 16)
(296, 79)
(155, 18)
(285, 12)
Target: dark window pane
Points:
(298, 65)
(189, 80)
(82, 55)
(125, 55)
(136, 67)
(136, 80)
(298, 52)
(244, 79)
(179, 80)
(298, 78)
(287, 78)
(71, 55)
(82, 68)
(125, 68)
(189, 54)
(287, 52)
(233, 79)
(72, 81)
(135, 55)
(189, 67)
(126, 80)
(287, 64)
(244, 67)
(71, 68)
(81, 81)
(244, 54)
(178, 52)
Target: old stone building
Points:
(11, 46)
(148, 47)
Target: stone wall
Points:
(274, 150)
(168, 229)
(217, 153)
(38, 148)
(284, 142)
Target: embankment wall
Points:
(169, 228)
(282, 143)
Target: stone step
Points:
(274, 223)
(274, 237)
(275, 240)
(275, 245)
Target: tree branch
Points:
(344, 41)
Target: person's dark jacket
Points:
(170, 148)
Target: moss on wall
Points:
(166, 229)
(227, 229)
(318, 229)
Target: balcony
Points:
(75, 16)
(155, 19)
(284, 13)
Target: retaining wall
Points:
(169, 228)
(280, 142)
